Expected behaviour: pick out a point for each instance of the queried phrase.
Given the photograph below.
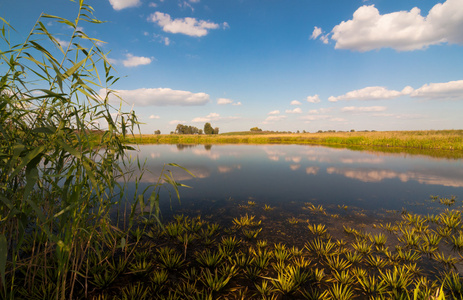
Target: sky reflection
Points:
(282, 173)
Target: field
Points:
(430, 140)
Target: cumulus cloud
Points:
(237, 103)
(174, 122)
(316, 32)
(121, 4)
(297, 110)
(368, 93)
(212, 117)
(273, 119)
(295, 102)
(313, 99)
(133, 61)
(274, 112)
(321, 110)
(188, 26)
(361, 109)
(452, 90)
(154, 117)
(225, 101)
(159, 97)
(402, 30)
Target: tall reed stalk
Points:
(62, 160)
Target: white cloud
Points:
(272, 119)
(321, 110)
(452, 90)
(316, 32)
(360, 109)
(133, 61)
(159, 97)
(63, 44)
(152, 4)
(402, 30)
(154, 117)
(368, 93)
(297, 110)
(313, 99)
(224, 101)
(121, 4)
(295, 102)
(237, 103)
(315, 117)
(174, 122)
(274, 112)
(188, 26)
(212, 117)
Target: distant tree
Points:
(185, 129)
(320, 131)
(157, 131)
(200, 131)
(255, 129)
(297, 131)
(208, 128)
(216, 130)
(303, 131)
(352, 130)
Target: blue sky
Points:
(311, 65)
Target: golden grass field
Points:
(431, 139)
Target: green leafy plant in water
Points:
(453, 282)
(208, 258)
(376, 261)
(370, 285)
(168, 258)
(289, 280)
(397, 280)
(264, 289)
(321, 247)
(261, 257)
(268, 207)
(135, 291)
(213, 280)
(228, 245)
(246, 221)
(251, 233)
(317, 229)
(337, 263)
(340, 292)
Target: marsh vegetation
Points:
(59, 182)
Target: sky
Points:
(279, 65)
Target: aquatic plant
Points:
(208, 258)
(268, 207)
(213, 280)
(340, 291)
(317, 229)
(134, 291)
(169, 258)
(264, 289)
(321, 247)
(371, 286)
(246, 221)
(289, 279)
(251, 233)
(337, 263)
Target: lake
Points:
(347, 183)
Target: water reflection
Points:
(297, 173)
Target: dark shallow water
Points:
(371, 184)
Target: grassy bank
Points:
(431, 140)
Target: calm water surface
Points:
(288, 176)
